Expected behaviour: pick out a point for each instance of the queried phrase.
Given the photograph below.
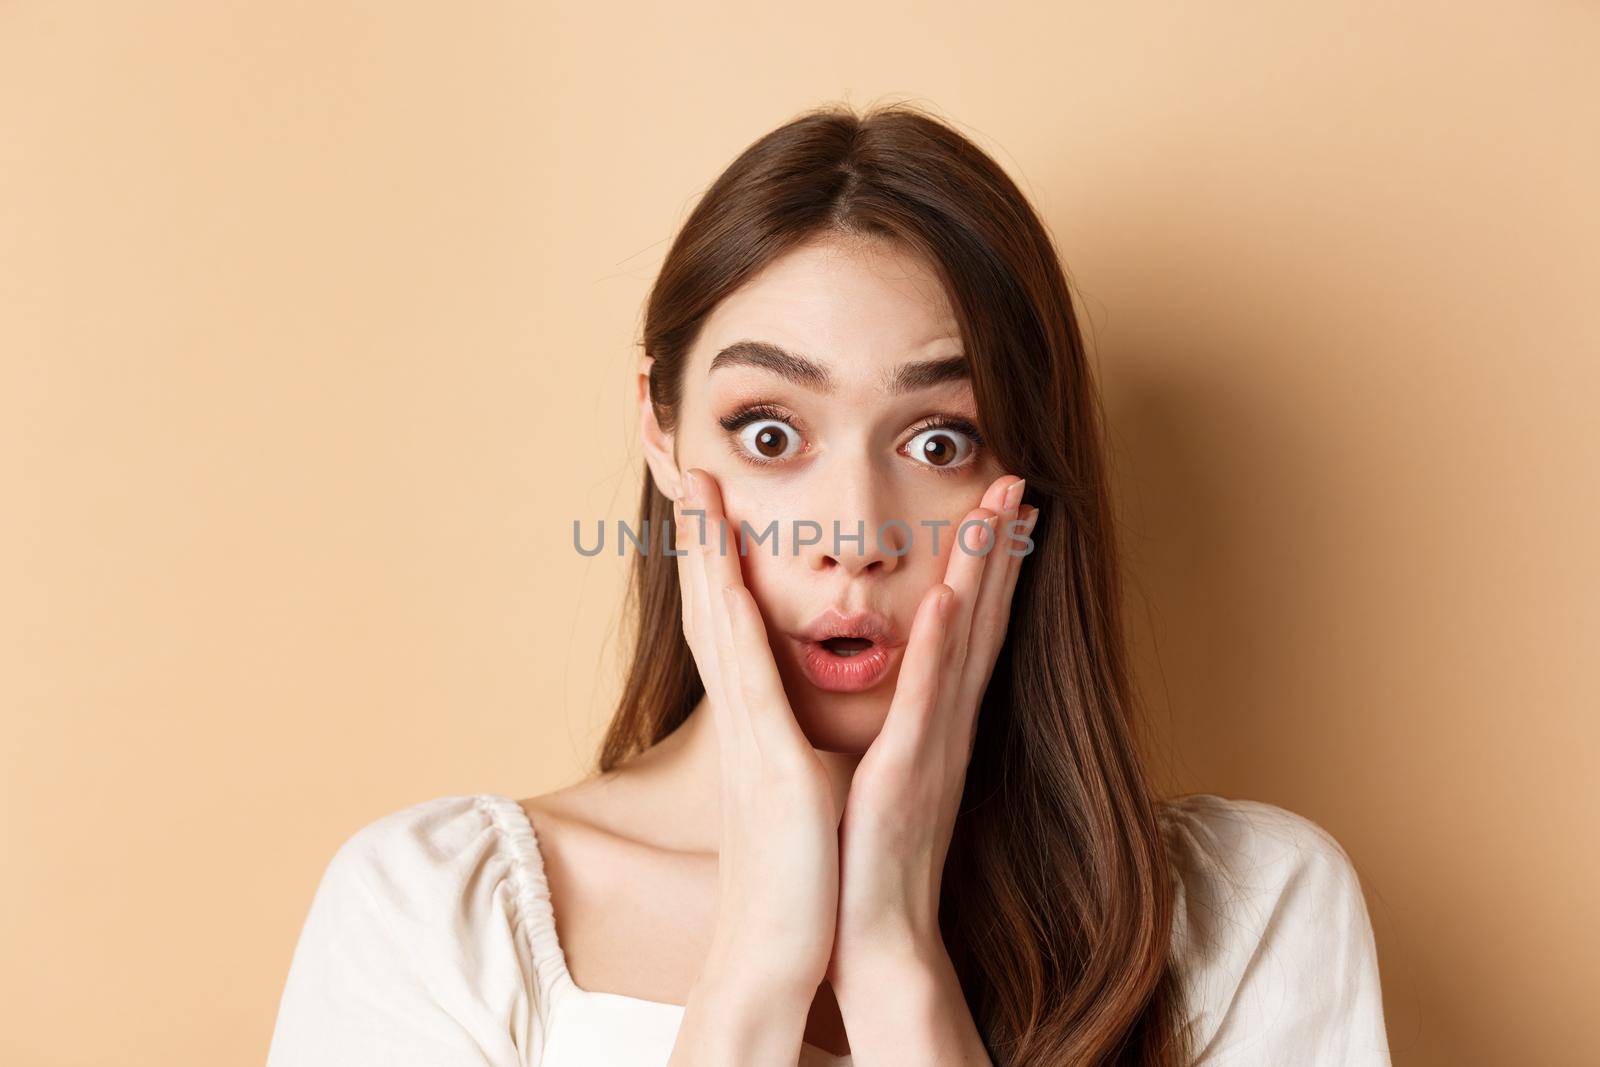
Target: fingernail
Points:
(1032, 518)
(1014, 495)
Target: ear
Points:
(660, 450)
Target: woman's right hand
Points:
(778, 868)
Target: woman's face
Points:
(832, 389)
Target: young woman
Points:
(871, 795)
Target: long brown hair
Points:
(1057, 901)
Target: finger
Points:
(719, 668)
(968, 672)
(721, 545)
(994, 615)
(713, 656)
(994, 497)
(705, 502)
(686, 581)
(969, 556)
(989, 608)
(1021, 547)
(766, 703)
(916, 690)
(972, 544)
(973, 640)
(691, 584)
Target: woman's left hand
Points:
(901, 809)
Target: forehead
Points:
(855, 307)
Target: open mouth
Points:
(848, 652)
(846, 664)
(847, 646)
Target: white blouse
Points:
(431, 941)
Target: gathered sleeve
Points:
(412, 952)
(1272, 937)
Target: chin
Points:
(840, 722)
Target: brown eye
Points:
(769, 439)
(939, 447)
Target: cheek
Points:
(932, 544)
(773, 587)
(944, 498)
(921, 568)
(762, 505)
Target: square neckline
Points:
(556, 956)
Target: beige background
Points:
(317, 322)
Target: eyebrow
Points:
(906, 378)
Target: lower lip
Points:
(845, 674)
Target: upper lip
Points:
(868, 624)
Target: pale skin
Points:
(774, 864)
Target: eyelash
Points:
(760, 411)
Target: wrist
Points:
(735, 971)
(908, 1007)
(909, 968)
(736, 1021)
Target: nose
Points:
(860, 532)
